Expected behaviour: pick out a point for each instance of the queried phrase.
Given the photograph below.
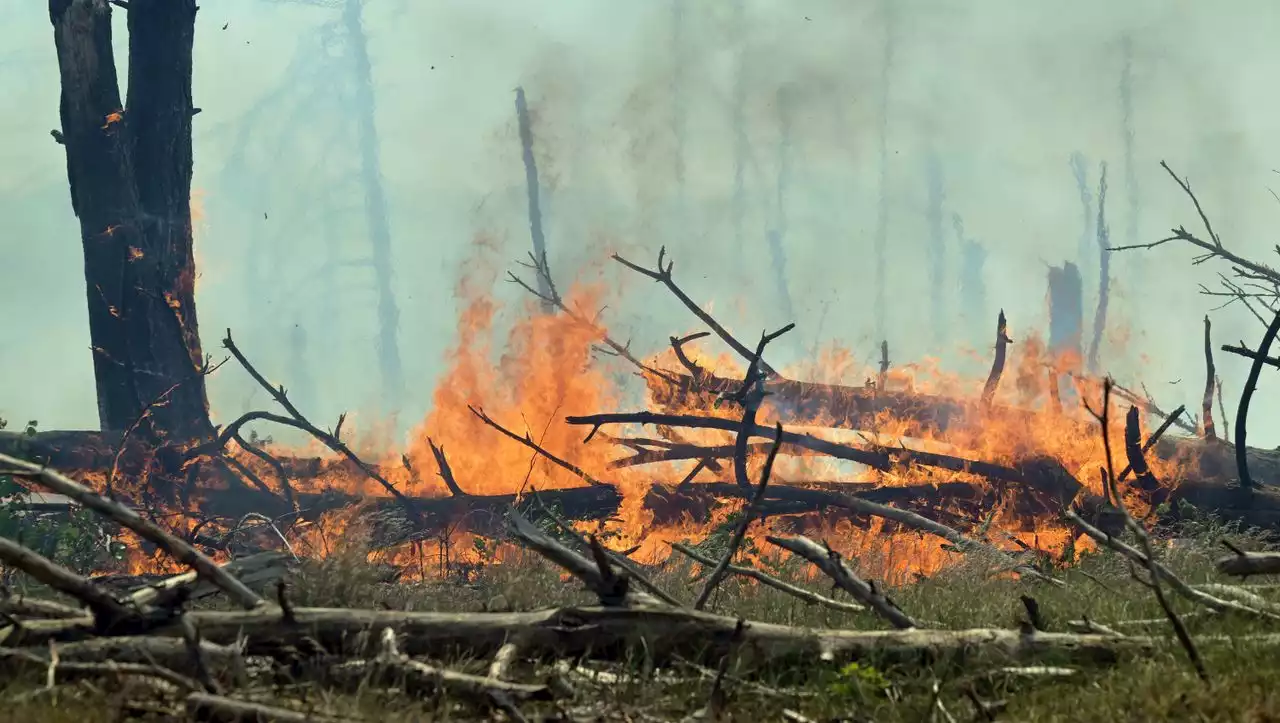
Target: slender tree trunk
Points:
(778, 234)
(129, 167)
(1134, 200)
(882, 216)
(679, 112)
(534, 195)
(389, 363)
(740, 144)
(1104, 273)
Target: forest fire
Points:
(994, 463)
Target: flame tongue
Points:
(542, 371)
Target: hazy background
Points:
(1003, 92)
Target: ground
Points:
(1242, 664)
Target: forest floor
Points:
(1240, 658)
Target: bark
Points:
(608, 633)
(129, 168)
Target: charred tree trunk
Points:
(534, 195)
(1066, 313)
(129, 167)
(389, 364)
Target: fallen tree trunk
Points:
(603, 632)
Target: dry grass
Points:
(1160, 686)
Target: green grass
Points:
(1157, 686)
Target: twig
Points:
(1251, 354)
(297, 420)
(1246, 395)
(527, 441)
(770, 581)
(663, 276)
(285, 486)
(677, 346)
(740, 530)
(146, 529)
(829, 562)
(552, 297)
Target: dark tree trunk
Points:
(129, 168)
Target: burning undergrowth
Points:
(530, 413)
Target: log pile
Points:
(220, 664)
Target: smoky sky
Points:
(634, 107)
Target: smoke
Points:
(632, 102)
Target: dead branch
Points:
(445, 471)
(740, 530)
(997, 364)
(175, 547)
(1139, 465)
(551, 296)
(677, 346)
(286, 488)
(1213, 247)
(527, 441)
(422, 680)
(1251, 354)
(750, 396)
(21, 606)
(1133, 451)
(612, 589)
(1155, 437)
(770, 581)
(615, 558)
(830, 562)
(297, 420)
(256, 570)
(611, 632)
(223, 709)
(663, 276)
(106, 609)
(1244, 564)
(1176, 583)
(1246, 395)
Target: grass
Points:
(1154, 687)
